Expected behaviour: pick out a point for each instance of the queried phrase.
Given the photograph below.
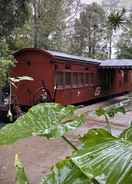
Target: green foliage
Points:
(14, 33)
(107, 159)
(21, 37)
(127, 134)
(65, 172)
(110, 111)
(49, 120)
(38, 23)
(21, 177)
(49, 22)
(4, 49)
(91, 138)
(116, 19)
(100, 111)
(102, 158)
(124, 51)
(5, 62)
(5, 65)
(89, 32)
(12, 15)
(124, 45)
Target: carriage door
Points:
(122, 79)
(107, 76)
(125, 79)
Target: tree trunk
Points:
(89, 37)
(94, 40)
(110, 45)
(35, 26)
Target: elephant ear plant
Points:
(21, 177)
(108, 113)
(100, 159)
(47, 120)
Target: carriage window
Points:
(79, 78)
(75, 78)
(67, 78)
(82, 78)
(126, 76)
(59, 78)
(92, 78)
(131, 77)
(86, 78)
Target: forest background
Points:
(98, 29)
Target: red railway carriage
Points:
(67, 79)
(64, 78)
(116, 76)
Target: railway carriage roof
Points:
(117, 63)
(61, 55)
(112, 63)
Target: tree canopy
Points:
(124, 45)
(89, 31)
(115, 20)
(76, 28)
(12, 14)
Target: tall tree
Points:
(115, 20)
(124, 45)
(49, 21)
(21, 37)
(88, 30)
(13, 14)
(46, 25)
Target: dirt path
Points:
(38, 156)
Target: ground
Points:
(38, 154)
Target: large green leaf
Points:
(127, 134)
(96, 136)
(48, 119)
(65, 172)
(105, 158)
(110, 111)
(21, 177)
